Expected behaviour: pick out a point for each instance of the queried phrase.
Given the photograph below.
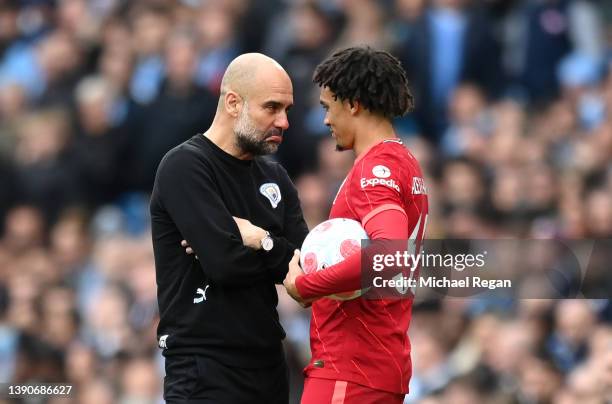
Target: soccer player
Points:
(219, 329)
(360, 348)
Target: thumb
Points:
(296, 255)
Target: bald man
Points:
(219, 329)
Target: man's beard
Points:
(251, 140)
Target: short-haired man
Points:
(360, 348)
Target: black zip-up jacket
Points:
(223, 304)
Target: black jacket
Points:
(222, 305)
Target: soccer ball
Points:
(331, 242)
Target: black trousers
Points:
(201, 380)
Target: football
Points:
(331, 242)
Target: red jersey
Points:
(366, 341)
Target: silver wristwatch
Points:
(267, 243)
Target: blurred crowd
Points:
(512, 126)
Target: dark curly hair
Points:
(372, 77)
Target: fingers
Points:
(239, 223)
(240, 220)
(188, 249)
(295, 260)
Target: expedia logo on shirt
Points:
(372, 182)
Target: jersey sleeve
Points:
(378, 190)
(346, 276)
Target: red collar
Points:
(392, 140)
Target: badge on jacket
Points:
(271, 191)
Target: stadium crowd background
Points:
(513, 127)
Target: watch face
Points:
(267, 243)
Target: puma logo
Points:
(202, 295)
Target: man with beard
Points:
(219, 329)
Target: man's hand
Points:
(294, 271)
(251, 234)
(187, 248)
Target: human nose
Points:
(282, 121)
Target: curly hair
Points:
(371, 77)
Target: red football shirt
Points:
(366, 341)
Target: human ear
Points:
(233, 103)
(354, 107)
